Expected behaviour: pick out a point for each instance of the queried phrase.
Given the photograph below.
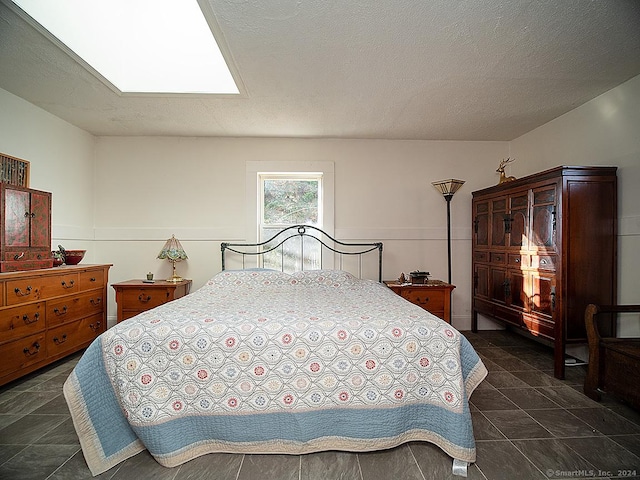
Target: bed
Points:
(264, 361)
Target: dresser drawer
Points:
(429, 300)
(92, 279)
(21, 353)
(21, 321)
(74, 307)
(72, 335)
(38, 288)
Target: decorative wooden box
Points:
(14, 171)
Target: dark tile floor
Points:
(528, 425)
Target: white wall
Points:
(604, 131)
(61, 157)
(146, 188)
(150, 188)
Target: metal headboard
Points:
(325, 243)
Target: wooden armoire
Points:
(544, 247)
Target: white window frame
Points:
(253, 196)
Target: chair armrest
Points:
(595, 371)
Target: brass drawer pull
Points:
(144, 299)
(95, 326)
(69, 285)
(426, 300)
(58, 341)
(96, 301)
(18, 256)
(27, 351)
(20, 293)
(60, 312)
(92, 279)
(28, 321)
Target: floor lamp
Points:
(447, 188)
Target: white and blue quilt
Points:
(267, 362)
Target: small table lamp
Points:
(447, 188)
(174, 252)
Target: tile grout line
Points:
(416, 461)
(359, 466)
(240, 467)
(64, 463)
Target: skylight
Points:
(142, 46)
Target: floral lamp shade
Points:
(173, 252)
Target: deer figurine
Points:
(500, 170)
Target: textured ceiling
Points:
(390, 69)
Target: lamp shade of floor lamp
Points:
(447, 188)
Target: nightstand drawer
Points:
(135, 296)
(142, 299)
(428, 299)
(434, 296)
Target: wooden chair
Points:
(614, 363)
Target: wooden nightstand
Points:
(434, 296)
(135, 296)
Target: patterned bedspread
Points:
(266, 362)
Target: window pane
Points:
(290, 201)
(298, 253)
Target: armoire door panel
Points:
(16, 218)
(543, 294)
(481, 224)
(518, 220)
(498, 285)
(481, 281)
(519, 297)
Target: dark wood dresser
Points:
(544, 247)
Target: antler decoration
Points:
(500, 170)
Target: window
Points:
(288, 199)
(161, 46)
(320, 171)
